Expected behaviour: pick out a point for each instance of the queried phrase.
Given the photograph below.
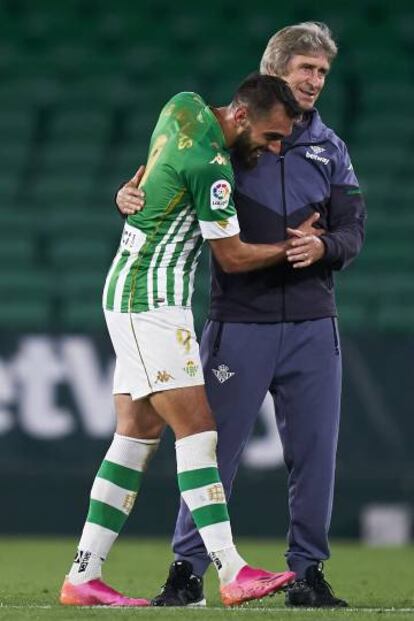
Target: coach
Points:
(276, 329)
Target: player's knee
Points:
(201, 420)
(144, 430)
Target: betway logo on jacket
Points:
(314, 154)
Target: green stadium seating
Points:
(83, 316)
(352, 316)
(80, 124)
(21, 315)
(14, 156)
(80, 251)
(25, 282)
(82, 85)
(17, 251)
(73, 162)
(396, 318)
(83, 281)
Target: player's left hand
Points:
(305, 249)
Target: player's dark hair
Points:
(261, 92)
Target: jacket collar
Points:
(310, 130)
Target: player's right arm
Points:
(234, 256)
(210, 184)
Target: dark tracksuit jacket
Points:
(275, 330)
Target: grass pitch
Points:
(378, 583)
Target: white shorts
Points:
(155, 350)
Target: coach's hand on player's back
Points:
(130, 199)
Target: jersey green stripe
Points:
(139, 303)
(147, 271)
(137, 300)
(105, 515)
(112, 285)
(160, 246)
(126, 293)
(192, 479)
(189, 266)
(180, 222)
(210, 514)
(120, 475)
(176, 258)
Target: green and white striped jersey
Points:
(188, 186)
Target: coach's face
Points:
(306, 77)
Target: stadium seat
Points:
(352, 317)
(74, 162)
(20, 283)
(80, 123)
(396, 317)
(16, 250)
(83, 316)
(20, 314)
(82, 86)
(80, 251)
(68, 188)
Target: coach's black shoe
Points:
(183, 588)
(313, 591)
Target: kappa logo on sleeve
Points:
(219, 159)
(220, 193)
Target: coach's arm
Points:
(346, 214)
(346, 226)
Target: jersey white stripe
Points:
(187, 302)
(150, 273)
(161, 273)
(108, 279)
(178, 269)
(120, 283)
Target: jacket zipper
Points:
(282, 172)
(285, 222)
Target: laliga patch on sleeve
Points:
(220, 193)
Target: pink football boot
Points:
(251, 583)
(95, 593)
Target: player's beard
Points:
(244, 151)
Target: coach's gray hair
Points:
(307, 38)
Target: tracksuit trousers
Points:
(300, 364)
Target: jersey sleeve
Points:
(211, 186)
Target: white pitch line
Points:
(236, 609)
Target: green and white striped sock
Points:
(111, 500)
(202, 491)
